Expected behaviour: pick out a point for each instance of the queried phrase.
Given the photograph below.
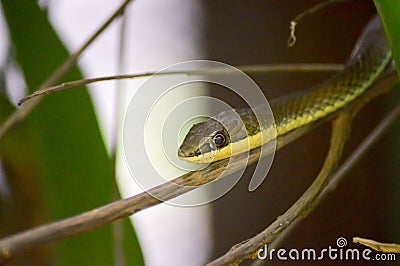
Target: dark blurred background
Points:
(366, 203)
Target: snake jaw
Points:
(203, 152)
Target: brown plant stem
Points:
(251, 69)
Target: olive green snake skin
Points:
(214, 139)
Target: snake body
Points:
(224, 135)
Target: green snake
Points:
(224, 135)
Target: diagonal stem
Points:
(251, 69)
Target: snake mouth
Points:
(196, 157)
(191, 159)
(188, 156)
(185, 152)
(184, 155)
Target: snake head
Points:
(203, 142)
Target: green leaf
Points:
(56, 159)
(389, 13)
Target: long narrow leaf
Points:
(64, 150)
(389, 13)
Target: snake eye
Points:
(219, 140)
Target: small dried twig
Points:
(382, 247)
(251, 69)
(292, 37)
(367, 143)
(118, 236)
(19, 114)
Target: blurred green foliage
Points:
(55, 161)
(389, 12)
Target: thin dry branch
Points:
(318, 7)
(367, 143)
(20, 114)
(118, 236)
(250, 69)
(378, 246)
